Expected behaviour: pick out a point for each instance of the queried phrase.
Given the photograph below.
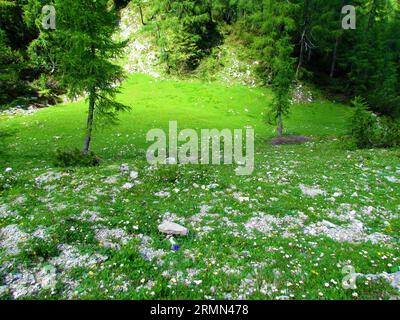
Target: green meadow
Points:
(290, 230)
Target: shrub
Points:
(370, 131)
(48, 89)
(75, 158)
(37, 249)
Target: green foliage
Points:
(273, 46)
(9, 70)
(48, 89)
(85, 48)
(13, 24)
(374, 57)
(17, 32)
(282, 67)
(168, 174)
(4, 3)
(182, 53)
(364, 61)
(71, 231)
(362, 124)
(370, 131)
(186, 33)
(36, 250)
(75, 158)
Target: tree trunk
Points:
(334, 57)
(280, 126)
(372, 15)
(210, 7)
(335, 49)
(301, 54)
(89, 128)
(306, 22)
(141, 15)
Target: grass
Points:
(254, 248)
(154, 103)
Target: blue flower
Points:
(175, 247)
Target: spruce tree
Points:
(84, 37)
(186, 32)
(282, 65)
(373, 57)
(272, 25)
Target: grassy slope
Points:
(154, 103)
(231, 260)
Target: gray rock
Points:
(111, 180)
(392, 278)
(148, 252)
(162, 194)
(47, 277)
(172, 228)
(133, 175)
(10, 238)
(124, 168)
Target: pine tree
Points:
(5, 3)
(374, 70)
(84, 36)
(282, 66)
(186, 32)
(272, 24)
(139, 4)
(305, 36)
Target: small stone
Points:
(127, 186)
(162, 194)
(173, 228)
(124, 168)
(312, 191)
(392, 179)
(111, 180)
(133, 175)
(47, 277)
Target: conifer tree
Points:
(373, 57)
(84, 36)
(273, 24)
(186, 32)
